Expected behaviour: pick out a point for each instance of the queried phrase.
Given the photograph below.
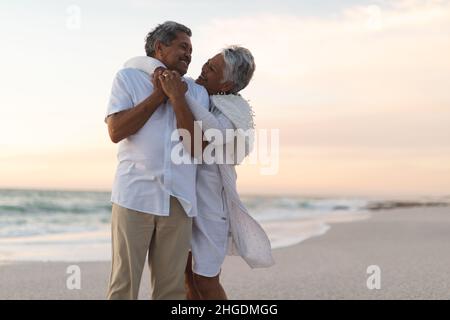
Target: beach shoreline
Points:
(410, 247)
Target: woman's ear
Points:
(227, 86)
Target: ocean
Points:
(39, 225)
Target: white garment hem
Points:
(206, 274)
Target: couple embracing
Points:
(182, 217)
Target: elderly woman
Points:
(221, 216)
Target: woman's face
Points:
(212, 75)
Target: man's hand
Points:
(157, 88)
(172, 84)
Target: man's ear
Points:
(227, 86)
(158, 48)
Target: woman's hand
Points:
(172, 84)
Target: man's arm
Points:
(185, 120)
(175, 90)
(126, 123)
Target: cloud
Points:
(372, 75)
(361, 96)
(385, 56)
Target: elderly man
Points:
(153, 198)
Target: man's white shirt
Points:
(145, 176)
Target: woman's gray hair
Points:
(166, 33)
(239, 66)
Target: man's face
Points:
(177, 55)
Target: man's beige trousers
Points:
(167, 241)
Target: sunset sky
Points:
(358, 89)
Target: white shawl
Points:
(248, 238)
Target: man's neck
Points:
(162, 62)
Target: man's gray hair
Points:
(166, 33)
(239, 66)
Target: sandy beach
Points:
(410, 246)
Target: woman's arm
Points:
(211, 120)
(188, 111)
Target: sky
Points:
(358, 90)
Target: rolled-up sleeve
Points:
(120, 98)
